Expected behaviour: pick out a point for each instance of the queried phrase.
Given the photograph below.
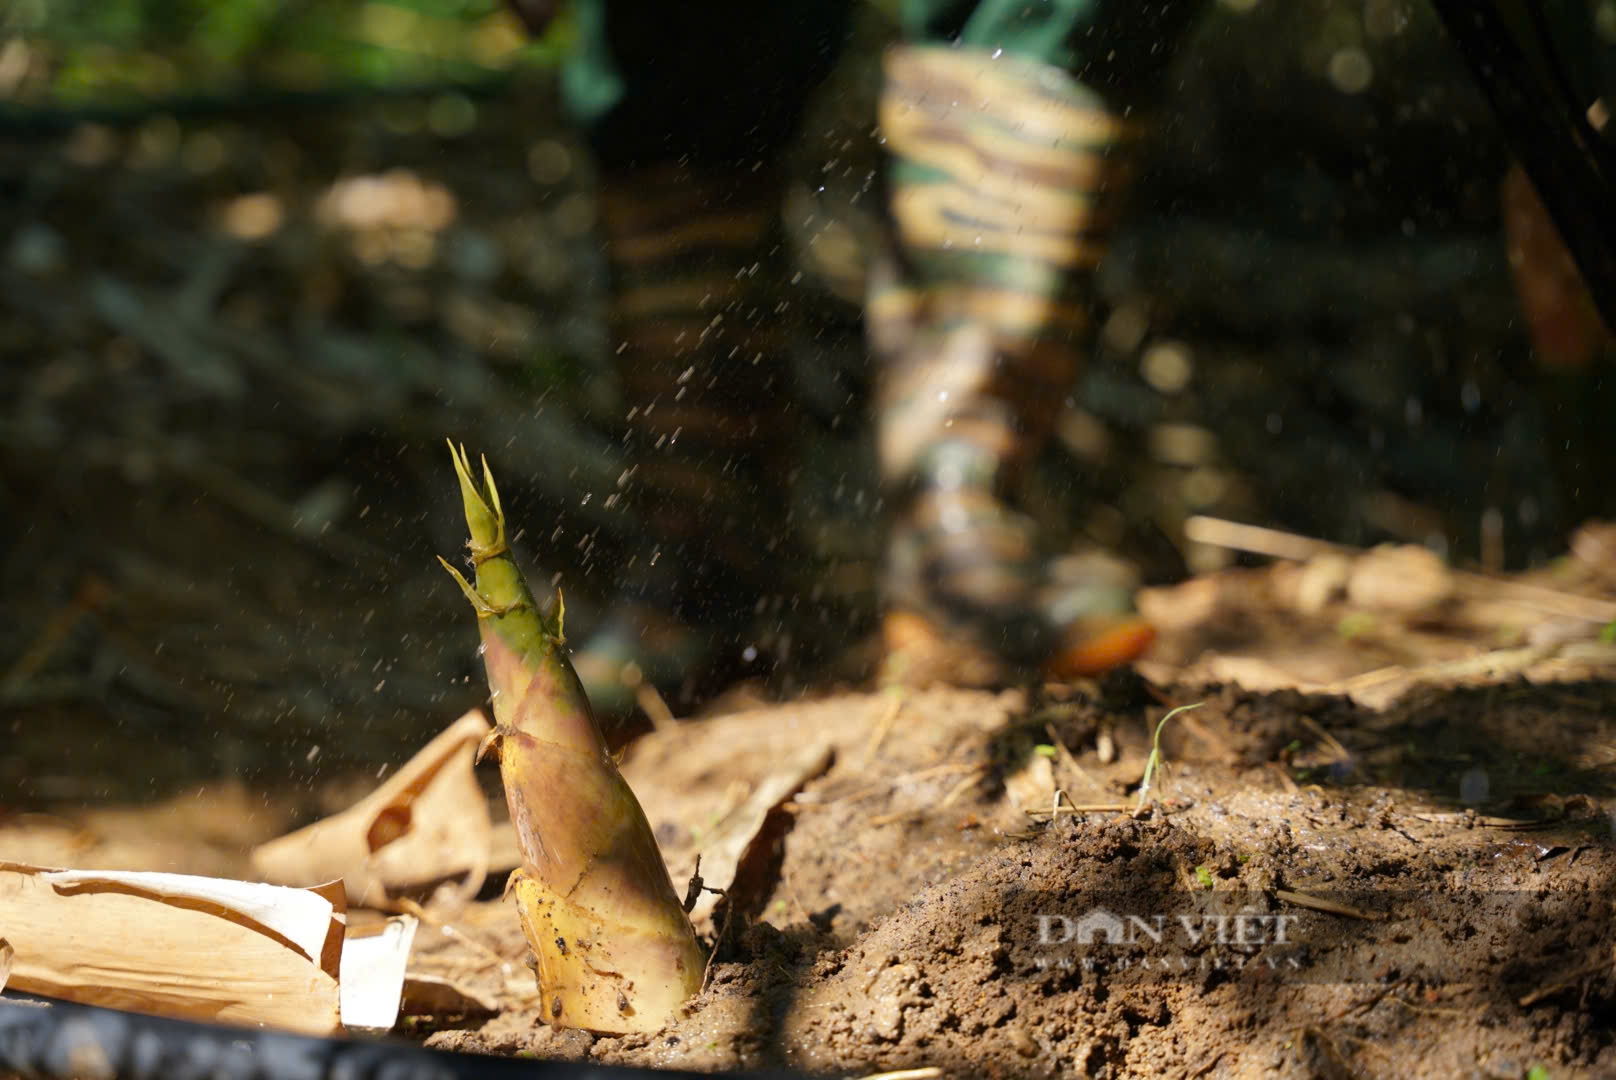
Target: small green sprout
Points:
(1153, 762)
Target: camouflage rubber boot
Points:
(700, 344)
(1005, 177)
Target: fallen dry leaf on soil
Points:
(201, 948)
(426, 824)
(732, 845)
(436, 996)
(175, 945)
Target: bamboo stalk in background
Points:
(615, 949)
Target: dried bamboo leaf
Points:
(438, 997)
(177, 945)
(373, 966)
(727, 848)
(427, 823)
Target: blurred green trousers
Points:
(726, 81)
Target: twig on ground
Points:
(411, 907)
(1593, 968)
(1080, 808)
(883, 726)
(1067, 760)
(652, 703)
(1278, 544)
(1329, 907)
(961, 787)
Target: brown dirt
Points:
(1415, 885)
(902, 928)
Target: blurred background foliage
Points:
(258, 257)
(70, 53)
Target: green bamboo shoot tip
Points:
(615, 950)
(484, 517)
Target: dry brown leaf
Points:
(1401, 578)
(724, 848)
(426, 824)
(436, 996)
(176, 945)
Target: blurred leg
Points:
(1006, 172)
(686, 109)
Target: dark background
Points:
(258, 260)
